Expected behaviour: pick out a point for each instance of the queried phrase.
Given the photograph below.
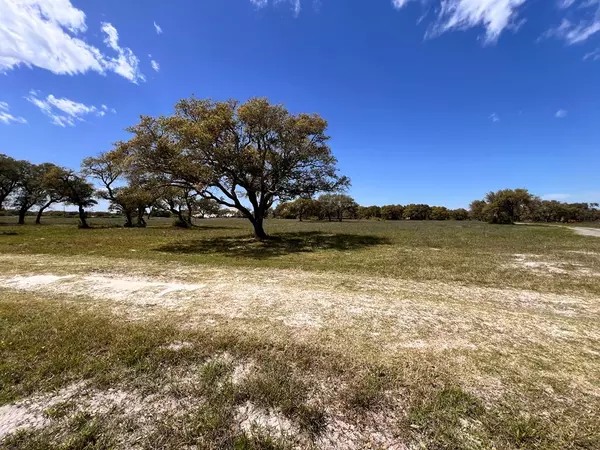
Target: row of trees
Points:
(502, 207)
(24, 185)
(208, 157)
(513, 205)
(340, 206)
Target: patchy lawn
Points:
(321, 340)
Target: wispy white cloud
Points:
(494, 16)
(7, 118)
(399, 3)
(564, 4)
(155, 65)
(126, 64)
(63, 111)
(573, 33)
(560, 114)
(260, 3)
(494, 117)
(157, 28)
(593, 55)
(48, 34)
(296, 4)
(582, 29)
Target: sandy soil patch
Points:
(398, 314)
(594, 232)
(538, 265)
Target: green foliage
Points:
(29, 189)
(417, 212)
(9, 177)
(230, 151)
(303, 208)
(476, 210)
(392, 212)
(506, 206)
(337, 206)
(459, 214)
(439, 213)
(554, 211)
(509, 206)
(368, 212)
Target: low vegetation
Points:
(329, 335)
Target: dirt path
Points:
(595, 232)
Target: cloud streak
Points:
(64, 112)
(49, 34)
(561, 113)
(494, 117)
(7, 118)
(495, 17)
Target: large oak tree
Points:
(243, 156)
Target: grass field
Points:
(330, 335)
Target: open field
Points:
(332, 335)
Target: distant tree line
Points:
(512, 205)
(31, 189)
(250, 160)
(501, 207)
(340, 206)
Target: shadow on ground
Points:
(277, 245)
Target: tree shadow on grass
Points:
(277, 245)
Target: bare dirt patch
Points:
(594, 232)
(539, 265)
(398, 314)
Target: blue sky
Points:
(427, 101)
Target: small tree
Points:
(30, 188)
(77, 191)
(337, 205)
(52, 191)
(183, 203)
(9, 177)
(303, 208)
(243, 156)
(113, 169)
(506, 206)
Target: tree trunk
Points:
(140, 218)
(22, 213)
(259, 231)
(128, 219)
(82, 219)
(38, 218)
